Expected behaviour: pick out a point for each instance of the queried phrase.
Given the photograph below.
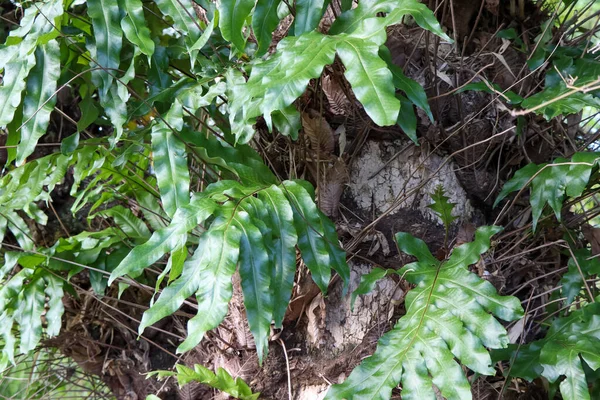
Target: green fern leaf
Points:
(206, 274)
(281, 220)
(264, 22)
(18, 59)
(276, 82)
(256, 279)
(39, 98)
(395, 10)
(581, 266)
(570, 341)
(308, 15)
(134, 26)
(337, 256)
(442, 207)
(105, 15)
(220, 381)
(15, 73)
(368, 282)
(131, 225)
(559, 97)
(54, 293)
(184, 19)
(310, 233)
(170, 161)
(165, 240)
(447, 318)
(414, 91)
(407, 120)
(370, 78)
(22, 300)
(218, 264)
(550, 183)
(287, 121)
(233, 15)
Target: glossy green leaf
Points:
(442, 207)
(571, 340)
(350, 20)
(337, 256)
(207, 274)
(220, 381)
(264, 22)
(287, 121)
(448, 317)
(277, 82)
(308, 15)
(255, 271)
(13, 83)
(106, 53)
(407, 120)
(310, 233)
(29, 314)
(184, 18)
(551, 183)
(131, 225)
(39, 98)
(281, 221)
(414, 91)
(581, 267)
(170, 161)
(371, 80)
(134, 26)
(368, 282)
(54, 293)
(233, 15)
(165, 240)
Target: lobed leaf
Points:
(214, 271)
(220, 381)
(135, 27)
(255, 271)
(264, 22)
(447, 318)
(105, 15)
(170, 161)
(285, 238)
(570, 341)
(233, 15)
(371, 80)
(124, 218)
(40, 98)
(442, 207)
(310, 233)
(166, 239)
(550, 183)
(308, 15)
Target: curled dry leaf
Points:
(315, 312)
(338, 102)
(319, 133)
(332, 187)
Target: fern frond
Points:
(448, 317)
(551, 183)
(571, 343)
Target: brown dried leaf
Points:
(331, 189)
(338, 102)
(466, 233)
(320, 134)
(315, 313)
